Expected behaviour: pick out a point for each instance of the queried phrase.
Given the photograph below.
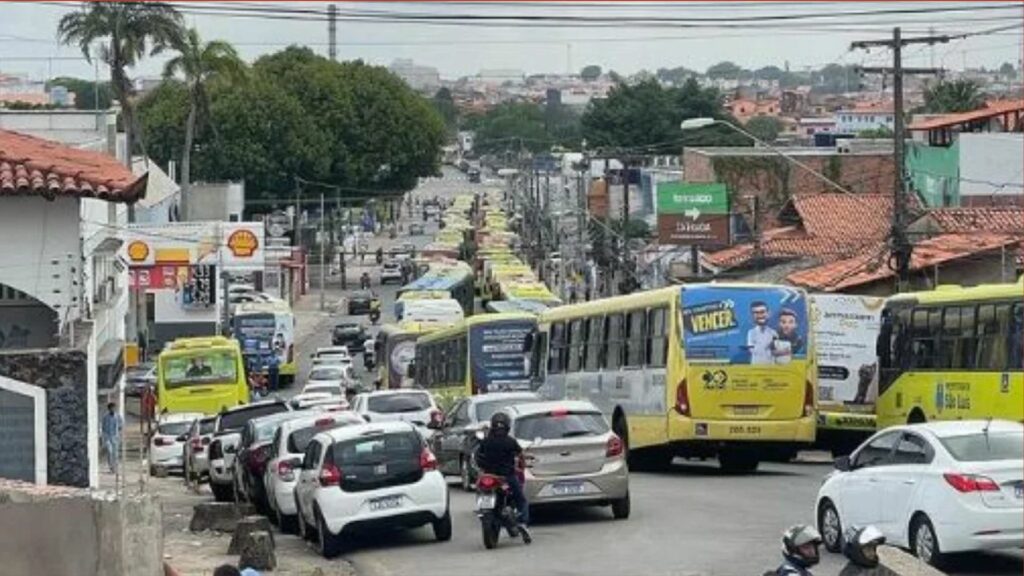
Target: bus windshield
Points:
(499, 362)
(199, 367)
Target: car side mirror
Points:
(843, 464)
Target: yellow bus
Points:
(484, 353)
(203, 374)
(395, 349)
(950, 354)
(701, 370)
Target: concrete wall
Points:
(61, 532)
(73, 127)
(216, 201)
(991, 165)
(63, 374)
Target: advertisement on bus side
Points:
(845, 330)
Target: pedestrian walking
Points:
(111, 428)
(274, 371)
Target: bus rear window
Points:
(200, 367)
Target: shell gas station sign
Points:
(154, 251)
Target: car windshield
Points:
(237, 419)
(377, 449)
(395, 403)
(326, 373)
(555, 425)
(485, 410)
(174, 428)
(981, 447)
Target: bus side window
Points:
(950, 340)
(924, 337)
(557, 341)
(595, 343)
(636, 337)
(613, 336)
(657, 337)
(993, 321)
(1016, 333)
(575, 345)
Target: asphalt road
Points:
(691, 520)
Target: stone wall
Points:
(62, 373)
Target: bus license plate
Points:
(567, 488)
(1018, 491)
(387, 503)
(485, 501)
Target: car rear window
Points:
(485, 410)
(557, 425)
(299, 439)
(326, 373)
(331, 389)
(395, 403)
(174, 428)
(237, 419)
(377, 449)
(206, 425)
(983, 447)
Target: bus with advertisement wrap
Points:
(203, 374)
(702, 370)
(265, 329)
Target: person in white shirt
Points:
(761, 337)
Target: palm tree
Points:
(956, 96)
(200, 64)
(125, 29)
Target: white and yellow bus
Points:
(696, 371)
(952, 353)
(264, 329)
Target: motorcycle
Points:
(375, 311)
(494, 507)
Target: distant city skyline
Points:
(562, 37)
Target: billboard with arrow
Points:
(693, 213)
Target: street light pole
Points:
(323, 233)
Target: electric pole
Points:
(901, 249)
(332, 31)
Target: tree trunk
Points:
(122, 88)
(186, 159)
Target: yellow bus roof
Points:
(954, 293)
(275, 306)
(197, 342)
(476, 320)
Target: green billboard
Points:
(693, 198)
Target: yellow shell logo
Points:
(243, 243)
(138, 251)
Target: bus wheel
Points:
(916, 417)
(738, 461)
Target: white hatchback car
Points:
(934, 488)
(369, 476)
(286, 450)
(167, 445)
(417, 407)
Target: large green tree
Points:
(766, 128)
(200, 64)
(590, 72)
(724, 69)
(445, 106)
(511, 126)
(89, 95)
(123, 32)
(953, 96)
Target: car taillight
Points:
(970, 482)
(161, 441)
(197, 444)
(258, 457)
(285, 471)
(808, 399)
(682, 398)
(330, 475)
(487, 482)
(614, 447)
(324, 422)
(215, 451)
(427, 460)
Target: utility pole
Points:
(625, 218)
(332, 31)
(901, 249)
(323, 248)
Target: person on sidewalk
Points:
(274, 371)
(111, 428)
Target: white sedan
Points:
(167, 445)
(934, 488)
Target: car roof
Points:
(952, 428)
(496, 396)
(532, 408)
(305, 421)
(350, 432)
(398, 392)
(175, 417)
(252, 405)
(271, 419)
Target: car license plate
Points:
(386, 503)
(380, 469)
(567, 488)
(1018, 491)
(485, 501)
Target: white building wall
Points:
(991, 164)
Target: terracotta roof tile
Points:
(991, 110)
(1007, 219)
(34, 166)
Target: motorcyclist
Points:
(861, 548)
(499, 454)
(799, 551)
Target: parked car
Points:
(360, 302)
(456, 440)
(226, 435)
(934, 488)
(390, 480)
(474, 175)
(571, 454)
(349, 334)
(391, 271)
(167, 444)
(416, 229)
(414, 406)
(321, 401)
(138, 378)
(286, 450)
(253, 455)
(196, 450)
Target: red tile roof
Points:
(1006, 219)
(872, 265)
(34, 166)
(991, 110)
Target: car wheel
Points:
(620, 508)
(830, 527)
(222, 492)
(464, 475)
(443, 527)
(330, 545)
(923, 541)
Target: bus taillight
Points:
(682, 398)
(808, 399)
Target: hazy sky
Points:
(692, 34)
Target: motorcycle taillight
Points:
(487, 483)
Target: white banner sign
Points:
(845, 330)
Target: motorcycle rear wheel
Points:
(491, 531)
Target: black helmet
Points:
(500, 423)
(861, 545)
(795, 542)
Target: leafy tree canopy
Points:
(590, 73)
(769, 73)
(881, 132)
(766, 128)
(724, 69)
(511, 126)
(953, 96)
(86, 92)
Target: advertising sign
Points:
(745, 326)
(499, 362)
(845, 330)
(197, 287)
(236, 246)
(693, 213)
